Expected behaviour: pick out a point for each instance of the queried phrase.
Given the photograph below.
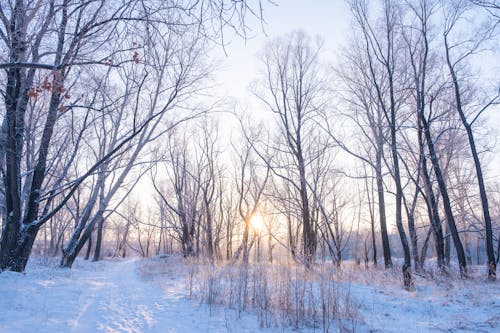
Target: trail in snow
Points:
(104, 297)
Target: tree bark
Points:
(98, 243)
(89, 248)
(386, 247)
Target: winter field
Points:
(173, 295)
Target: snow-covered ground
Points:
(107, 296)
(444, 306)
(152, 296)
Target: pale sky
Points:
(328, 19)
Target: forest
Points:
(376, 158)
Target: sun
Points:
(257, 222)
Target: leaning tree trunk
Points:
(78, 240)
(431, 202)
(446, 199)
(425, 246)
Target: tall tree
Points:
(365, 112)
(384, 64)
(456, 55)
(416, 35)
(292, 91)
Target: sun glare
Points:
(257, 222)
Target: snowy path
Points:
(104, 297)
(119, 301)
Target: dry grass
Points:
(280, 295)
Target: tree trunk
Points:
(89, 248)
(229, 240)
(98, 243)
(291, 239)
(423, 253)
(386, 247)
(307, 227)
(498, 249)
(15, 105)
(77, 241)
(478, 250)
(371, 208)
(245, 241)
(270, 247)
(374, 243)
(16, 252)
(413, 238)
(468, 252)
(210, 245)
(447, 246)
(407, 278)
(433, 212)
(366, 254)
(185, 240)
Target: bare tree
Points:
(27, 32)
(292, 90)
(184, 177)
(365, 111)
(416, 36)
(174, 76)
(456, 55)
(384, 64)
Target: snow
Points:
(152, 296)
(464, 308)
(440, 304)
(107, 296)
